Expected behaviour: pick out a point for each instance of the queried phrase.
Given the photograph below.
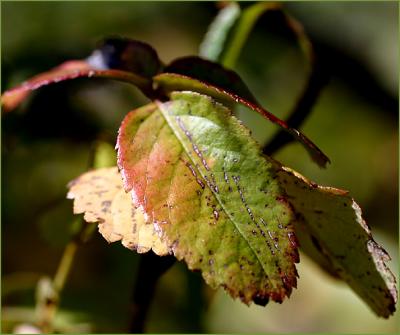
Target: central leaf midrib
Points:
(177, 135)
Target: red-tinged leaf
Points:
(333, 233)
(170, 82)
(212, 74)
(127, 55)
(213, 196)
(67, 71)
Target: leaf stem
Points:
(49, 291)
(246, 23)
(151, 267)
(318, 77)
(64, 268)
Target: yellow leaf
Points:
(100, 196)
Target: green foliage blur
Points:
(46, 143)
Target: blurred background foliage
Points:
(46, 142)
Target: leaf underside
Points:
(208, 190)
(99, 194)
(333, 233)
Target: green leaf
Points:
(170, 82)
(203, 182)
(213, 43)
(69, 70)
(331, 231)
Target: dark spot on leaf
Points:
(286, 281)
(292, 239)
(216, 214)
(261, 300)
(105, 205)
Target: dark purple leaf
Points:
(211, 73)
(127, 55)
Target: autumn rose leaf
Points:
(214, 197)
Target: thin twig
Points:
(151, 267)
(316, 82)
(64, 268)
(49, 291)
(246, 23)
